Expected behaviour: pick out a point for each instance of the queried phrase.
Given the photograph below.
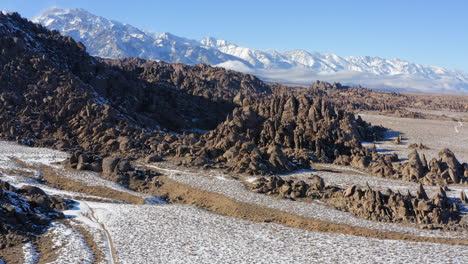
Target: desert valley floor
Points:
(111, 224)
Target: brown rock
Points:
(350, 191)
(421, 193)
(317, 182)
(32, 190)
(463, 198)
(285, 190)
(109, 164)
(153, 158)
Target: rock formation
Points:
(54, 94)
(116, 169)
(463, 197)
(26, 211)
(388, 103)
(279, 133)
(445, 170)
(436, 212)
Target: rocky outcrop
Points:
(54, 94)
(419, 146)
(212, 83)
(435, 212)
(445, 170)
(389, 103)
(25, 212)
(400, 208)
(281, 132)
(116, 169)
(136, 108)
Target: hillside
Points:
(71, 100)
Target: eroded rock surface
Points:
(445, 170)
(435, 212)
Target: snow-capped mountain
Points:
(112, 39)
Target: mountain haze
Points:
(112, 39)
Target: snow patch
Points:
(181, 233)
(70, 244)
(235, 66)
(31, 256)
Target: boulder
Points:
(124, 165)
(360, 162)
(455, 170)
(95, 166)
(82, 166)
(109, 164)
(32, 190)
(317, 183)
(153, 158)
(285, 189)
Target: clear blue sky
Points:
(422, 31)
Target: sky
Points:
(423, 31)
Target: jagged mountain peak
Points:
(112, 39)
(214, 42)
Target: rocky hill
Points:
(54, 93)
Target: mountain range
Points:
(112, 39)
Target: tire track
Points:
(110, 243)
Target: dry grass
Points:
(52, 178)
(12, 254)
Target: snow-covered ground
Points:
(70, 244)
(31, 155)
(216, 182)
(435, 134)
(184, 234)
(156, 233)
(42, 156)
(30, 254)
(442, 113)
(84, 216)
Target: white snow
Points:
(83, 215)
(210, 181)
(435, 134)
(111, 39)
(184, 234)
(31, 256)
(235, 65)
(30, 155)
(49, 157)
(70, 244)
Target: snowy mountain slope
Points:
(112, 39)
